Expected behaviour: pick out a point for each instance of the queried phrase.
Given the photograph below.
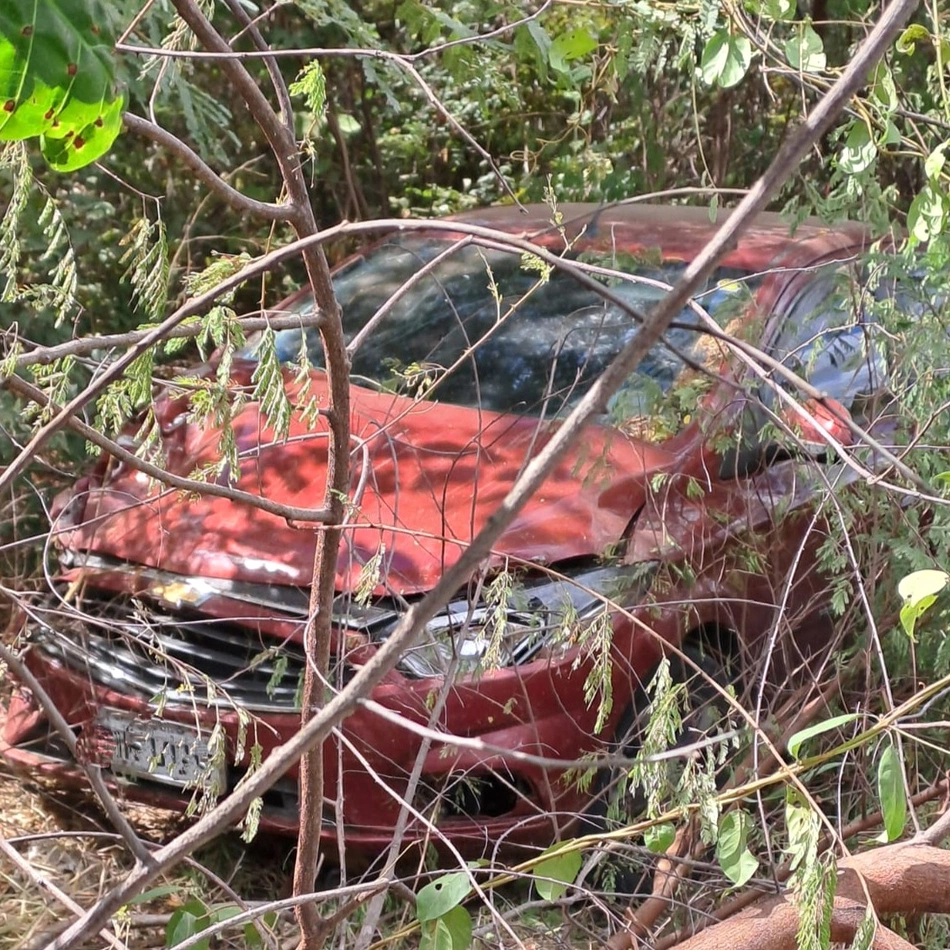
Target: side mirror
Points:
(806, 439)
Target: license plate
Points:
(165, 752)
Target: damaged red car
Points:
(172, 639)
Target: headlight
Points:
(511, 629)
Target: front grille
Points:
(136, 650)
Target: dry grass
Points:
(79, 868)
(64, 840)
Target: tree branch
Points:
(750, 896)
(135, 844)
(85, 346)
(276, 78)
(289, 512)
(906, 878)
(318, 632)
(204, 172)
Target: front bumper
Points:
(475, 802)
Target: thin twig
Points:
(45, 884)
(204, 172)
(88, 345)
(192, 486)
(23, 673)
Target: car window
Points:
(487, 328)
(830, 338)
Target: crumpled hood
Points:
(426, 477)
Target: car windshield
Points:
(491, 329)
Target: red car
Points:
(172, 639)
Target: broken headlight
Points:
(512, 622)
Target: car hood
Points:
(426, 477)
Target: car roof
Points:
(679, 232)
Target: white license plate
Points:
(160, 751)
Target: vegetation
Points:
(163, 173)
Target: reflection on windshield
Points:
(481, 329)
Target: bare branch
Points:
(87, 345)
(204, 172)
(290, 512)
(135, 844)
(318, 632)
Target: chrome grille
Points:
(132, 649)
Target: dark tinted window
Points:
(482, 329)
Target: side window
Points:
(829, 339)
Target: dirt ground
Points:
(63, 841)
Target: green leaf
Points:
(57, 79)
(911, 613)
(83, 144)
(934, 162)
(558, 872)
(659, 837)
(805, 51)
(222, 912)
(252, 937)
(540, 36)
(927, 216)
(185, 922)
(891, 792)
(570, 45)
(441, 895)
(269, 390)
(864, 935)
(734, 857)
(726, 59)
(892, 135)
(154, 893)
(796, 741)
(908, 40)
(452, 931)
(804, 829)
(919, 591)
(348, 125)
(311, 83)
(435, 935)
(779, 9)
(915, 587)
(883, 87)
(859, 150)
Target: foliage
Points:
(587, 102)
(57, 79)
(446, 925)
(796, 741)
(736, 860)
(554, 873)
